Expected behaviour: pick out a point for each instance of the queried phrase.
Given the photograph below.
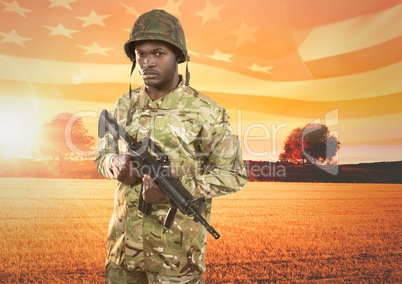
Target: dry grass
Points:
(53, 231)
(325, 233)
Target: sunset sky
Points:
(273, 64)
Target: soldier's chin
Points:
(154, 83)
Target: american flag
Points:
(282, 60)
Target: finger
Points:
(145, 181)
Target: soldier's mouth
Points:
(149, 75)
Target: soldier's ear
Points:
(179, 55)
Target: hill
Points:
(48, 169)
(381, 172)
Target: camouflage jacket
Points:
(195, 133)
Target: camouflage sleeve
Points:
(224, 171)
(107, 147)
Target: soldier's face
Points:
(157, 64)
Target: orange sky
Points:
(275, 66)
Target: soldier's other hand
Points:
(151, 192)
(124, 169)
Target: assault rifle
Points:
(157, 166)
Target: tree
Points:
(311, 143)
(292, 149)
(59, 136)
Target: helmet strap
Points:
(187, 82)
(131, 107)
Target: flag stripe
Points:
(349, 109)
(363, 85)
(385, 142)
(351, 35)
(374, 128)
(97, 92)
(108, 93)
(307, 14)
(363, 60)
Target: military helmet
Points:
(157, 25)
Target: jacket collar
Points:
(168, 101)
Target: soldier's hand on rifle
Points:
(124, 169)
(151, 192)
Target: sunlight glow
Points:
(19, 128)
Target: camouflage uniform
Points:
(195, 133)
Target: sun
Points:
(19, 129)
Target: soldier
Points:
(205, 155)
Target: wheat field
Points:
(54, 231)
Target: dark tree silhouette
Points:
(311, 143)
(65, 132)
